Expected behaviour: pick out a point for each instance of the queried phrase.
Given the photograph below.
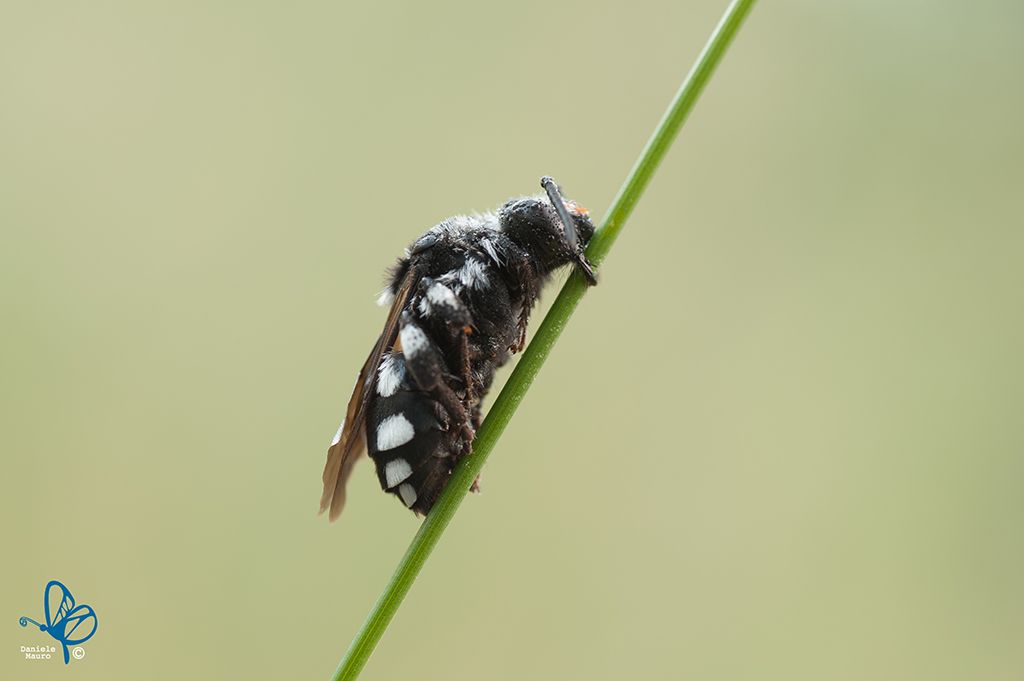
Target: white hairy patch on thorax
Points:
(491, 249)
(474, 274)
(394, 431)
(396, 471)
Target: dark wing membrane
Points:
(350, 443)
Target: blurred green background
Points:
(783, 438)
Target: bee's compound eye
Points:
(423, 243)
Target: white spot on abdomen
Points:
(408, 494)
(395, 471)
(390, 375)
(394, 431)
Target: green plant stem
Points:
(533, 358)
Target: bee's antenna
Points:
(569, 226)
(559, 204)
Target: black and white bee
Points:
(460, 301)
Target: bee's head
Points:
(536, 224)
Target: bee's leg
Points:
(525, 272)
(518, 266)
(427, 366)
(437, 301)
(475, 487)
(467, 370)
(521, 324)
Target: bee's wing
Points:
(350, 442)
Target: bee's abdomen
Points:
(407, 438)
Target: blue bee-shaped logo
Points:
(68, 623)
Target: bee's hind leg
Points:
(427, 366)
(439, 302)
